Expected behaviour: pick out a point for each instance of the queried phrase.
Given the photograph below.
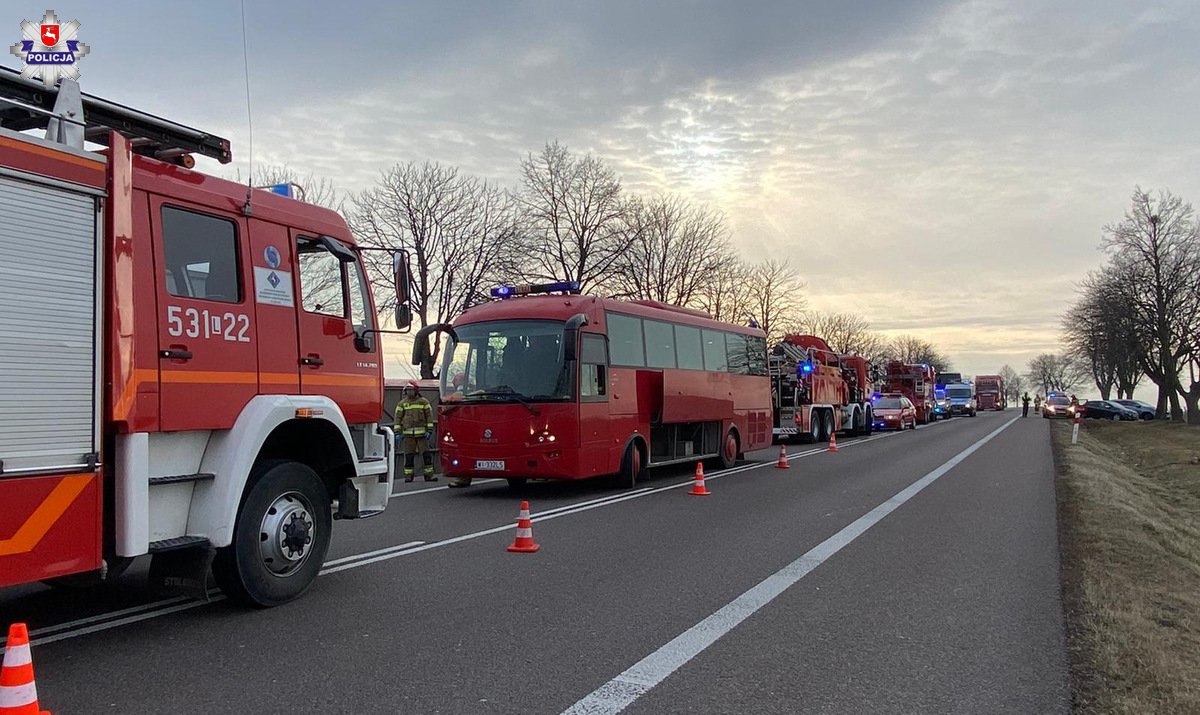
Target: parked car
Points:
(1144, 411)
(894, 411)
(1057, 406)
(1107, 410)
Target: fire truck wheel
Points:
(631, 467)
(280, 537)
(868, 423)
(826, 427)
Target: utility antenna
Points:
(246, 210)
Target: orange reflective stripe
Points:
(48, 512)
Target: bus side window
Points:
(593, 382)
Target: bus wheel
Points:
(631, 467)
(729, 451)
(280, 536)
(516, 482)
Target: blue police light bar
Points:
(531, 289)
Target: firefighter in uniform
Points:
(414, 424)
(1025, 405)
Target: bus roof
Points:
(562, 307)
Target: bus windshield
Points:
(959, 392)
(505, 361)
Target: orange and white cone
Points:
(833, 442)
(698, 488)
(782, 463)
(524, 543)
(18, 693)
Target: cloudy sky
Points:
(944, 168)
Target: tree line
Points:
(569, 218)
(1138, 316)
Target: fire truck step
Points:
(200, 477)
(179, 542)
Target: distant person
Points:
(1025, 405)
(414, 421)
(1074, 401)
(1037, 401)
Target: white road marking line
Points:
(355, 557)
(620, 692)
(396, 495)
(174, 605)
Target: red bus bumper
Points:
(532, 463)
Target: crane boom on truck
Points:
(817, 391)
(188, 369)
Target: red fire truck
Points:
(188, 368)
(989, 390)
(545, 383)
(817, 391)
(917, 383)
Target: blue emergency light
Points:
(508, 291)
(281, 189)
(806, 367)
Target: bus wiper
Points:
(507, 393)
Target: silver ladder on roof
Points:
(70, 117)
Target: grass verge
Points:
(1129, 523)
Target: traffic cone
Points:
(833, 442)
(18, 693)
(524, 543)
(698, 488)
(782, 463)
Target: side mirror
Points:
(571, 336)
(364, 341)
(402, 275)
(403, 316)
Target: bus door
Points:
(596, 445)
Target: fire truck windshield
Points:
(506, 361)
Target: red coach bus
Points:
(571, 387)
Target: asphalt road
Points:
(913, 572)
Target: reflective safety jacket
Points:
(414, 416)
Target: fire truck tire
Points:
(280, 537)
(631, 467)
(814, 427)
(825, 425)
(868, 423)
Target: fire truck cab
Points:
(188, 368)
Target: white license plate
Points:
(492, 464)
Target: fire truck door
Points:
(338, 357)
(208, 367)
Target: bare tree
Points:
(1101, 331)
(1056, 372)
(848, 333)
(725, 294)
(776, 296)
(913, 350)
(457, 229)
(572, 217)
(1156, 249)
(1014, 384)
(675, 248)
